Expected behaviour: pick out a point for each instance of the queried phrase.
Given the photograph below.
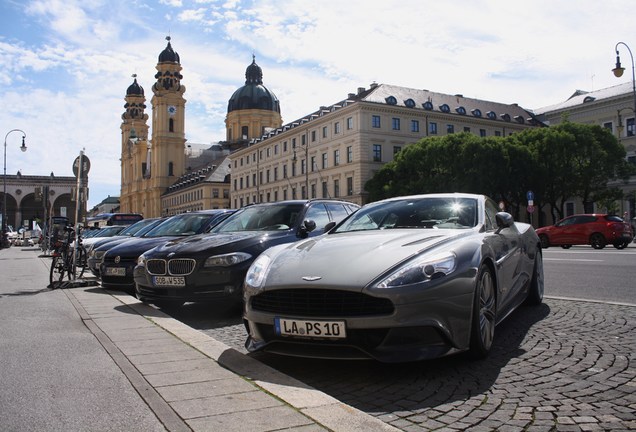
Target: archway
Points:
(12, 205)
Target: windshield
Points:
(181, 225)
(454, 213)
(131, 230)
(261, 218)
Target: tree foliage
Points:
(556, 163)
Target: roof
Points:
(580, 97)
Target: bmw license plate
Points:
(310, 328)
(115, 271)
(178, 281)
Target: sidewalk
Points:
(89, 359)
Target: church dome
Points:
(168, 55)
(253, 95)
(135, 89)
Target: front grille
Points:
(156, 266)
(181, 266)
(321, 302)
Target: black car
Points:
(213, 265)
(97, 250)
(116, 270)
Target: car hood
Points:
(224, 242)
(137, 246)
(351, 259)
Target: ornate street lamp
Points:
(23, 147)
(619, 70)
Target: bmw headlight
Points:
(257, 272)
(226, 260)
(421, 270)
(99, 255)
(141, 261)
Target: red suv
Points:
(593, 229)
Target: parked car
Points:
(116, 269)
(596, 230)
(402, 279)
(96, 250)
(213, 265)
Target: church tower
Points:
(167, 149)
(134, 149)
(252, 109)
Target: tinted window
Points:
(585, 219)
(318, 213)
(261, 217)
(338, 211)
(491, 211)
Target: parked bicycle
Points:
(63, 265)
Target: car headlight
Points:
(226, 260)
(257, 272)
(421, 270)
(99, 255)
(141, 261)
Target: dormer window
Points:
(391, 100)
(505, 117)
(476, 112)
(410, 103)
(428, 105)
(444, 108)
(491, 115)
(589, 99)
(461, 110)
(519, 119)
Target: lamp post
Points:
(4, 182)
(618, 70)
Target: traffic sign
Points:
(530, 209)
(85, 168)
(530, 195)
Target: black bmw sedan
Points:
(213, 265)
(118, 262)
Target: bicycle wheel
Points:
(57, 271)
(80, 262)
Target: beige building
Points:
(612, 108)
(334, 151)
(161, 175)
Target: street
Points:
(566, 365)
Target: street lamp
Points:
(4, 182)
(618, 70)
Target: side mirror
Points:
(504, 220)
(329, 226)
(307, 227)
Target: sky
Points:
(67, 63)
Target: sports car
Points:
(403, 279)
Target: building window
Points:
(630, 127)
(336, 157)
(336, 188)
(498, 133)
(466, 128)
(276, 149)
(349, 154)
(450, 128)
(247, 181)
(170, 169)
(171, 125)
(396, 150)
(375, 121)
(241, 183)
(395, 123)
(303, 167)
(324, 160)
(303, 140)
(336, 127)
(325, 190)
(349, 186)
(482, 132)
(350, 123)
(324, 132)
(285, 171)
(284, 146)
(377, 153)
(432, 128)
(313, 163)
(313, 190)
(415, 125)
(268, 152)
(313, 136)
(254, 179)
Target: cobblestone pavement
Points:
(563, 366)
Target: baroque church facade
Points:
(160, 176)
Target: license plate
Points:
(310, 328)
(115, 271)
(178, 281)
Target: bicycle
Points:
(62, 264)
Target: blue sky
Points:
(67, 63)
